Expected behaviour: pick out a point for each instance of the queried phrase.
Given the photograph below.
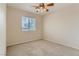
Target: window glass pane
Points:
(28, 24)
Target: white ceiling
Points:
(28, 7)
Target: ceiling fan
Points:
(44, 7)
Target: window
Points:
(28, 23)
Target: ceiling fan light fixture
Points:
(47, 10)
(37, 10)
(43, 7)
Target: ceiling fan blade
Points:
(41, 4)
(50, 4)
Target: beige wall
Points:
(14, 33)
(62, 26)
(2, 29)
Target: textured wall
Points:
(62, 26)
(14, 33)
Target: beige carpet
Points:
(41, 48)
